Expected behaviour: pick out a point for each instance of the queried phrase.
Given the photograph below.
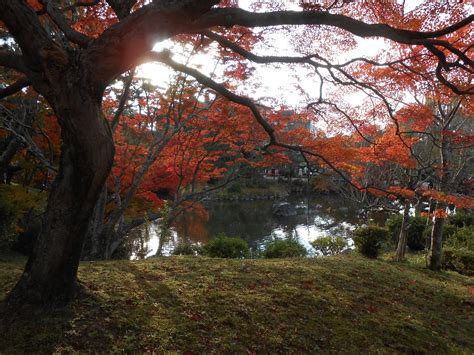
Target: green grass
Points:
(189, 304)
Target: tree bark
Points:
(94, 243)
(86, 159)
(437, 241)
(402, 239)
(437, 230)
(419, 207)
(13, 146)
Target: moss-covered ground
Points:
(344, 304)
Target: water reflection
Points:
(256, 222)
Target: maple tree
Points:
(422, 152)
(70, 52)
(429, 160)
(175, 143)
(450, 136)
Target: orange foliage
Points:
(440, 213)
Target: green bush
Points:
(449, 230)
(284, 248)
(225, 247)
(416, 235)
(458, 259)
(462, 238)
(16, 202)
(235, 189)
(416, 238)
(370, 240)
(187, 249)
(462, 218)
(393, 224)
(329, 245)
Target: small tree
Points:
(284, 248)
(329, 245)
(225, 247)
(370, 240)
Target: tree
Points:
(452, 143)
(426, 145)
(70, 53)
(165, 151)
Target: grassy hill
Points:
(199, 305)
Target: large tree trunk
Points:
(437, 230)
(86, 159)
(402, 239)
(437, 241)
(94, 244)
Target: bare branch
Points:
(21, 131)
(14, 88)
(255, 58)
(123, 100)
(342, 112)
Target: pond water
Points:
(256, 222)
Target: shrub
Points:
(187, 249)
(235, 189)
(284, 248)
(449, 230)
(460, 260)
(462, 218)
(369, 240)
(462, 238)
(16, 205)
(225, 247)
(393, 224)
(416, 236)
(329, 245)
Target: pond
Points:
(256, 222)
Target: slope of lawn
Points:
(200, 305)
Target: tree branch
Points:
(123, 100)
(14, 88)
(63, 24)
(23, 24)
(12, 61)
(230, 17)
(121, 8)
(255, 58)
(164, 57)
(121, 46)
(80, 4)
